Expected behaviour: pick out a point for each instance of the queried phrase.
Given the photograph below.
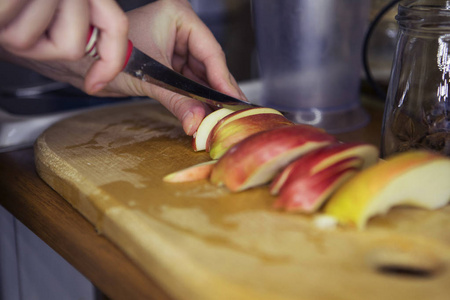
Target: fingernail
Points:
(242, 95)
(236, 88)
(98, 86)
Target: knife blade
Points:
(146, 68)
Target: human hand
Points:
(43, 30)
(171, 32)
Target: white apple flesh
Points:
(245, 113)
(193, 173)
(201, 135)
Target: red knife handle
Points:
(91, 45)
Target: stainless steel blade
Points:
(149, 70)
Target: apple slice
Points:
(308, 193)
(236, 130)
(237, 115)
(255, 160)
(322, 158)
(416, 178)
(193, 173)
(201, 135)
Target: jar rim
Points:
(426, 5)
(429, 15)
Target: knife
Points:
(145, 68)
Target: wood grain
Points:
(59, 225)
(202, 242)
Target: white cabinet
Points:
(29, 269)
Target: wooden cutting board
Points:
(202, 242)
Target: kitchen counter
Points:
(59, 225)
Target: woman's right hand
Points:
(56, 30)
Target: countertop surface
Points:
(58, 224)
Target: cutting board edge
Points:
(74, 190)
(47, 163)
(123, 233)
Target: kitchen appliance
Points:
(309, 54)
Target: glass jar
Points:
(417, 111)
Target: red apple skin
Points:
(237, 130)
(235, 116)
(322, 158)
(256, 159)
(194, 147)
(308, 193)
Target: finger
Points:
(112, 22)
(23, 32)
(216, 75)
(223, 81)
(191, 73)
(189, 111)
(238, 88)
(220, 78)
(178, 62)
(10, 9)
(66, 36)
(205, 57)
(68, 32)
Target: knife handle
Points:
(91, 45)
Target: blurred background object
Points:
(417, 109)
(383, 41)
(379, 47)
(231, 23)
(309, 54)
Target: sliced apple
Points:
(193, 173)
(322, 158)
(201, 135)
(416, 178)
(255, 160)
(235, 131)
(237, 115)
(308, 193)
